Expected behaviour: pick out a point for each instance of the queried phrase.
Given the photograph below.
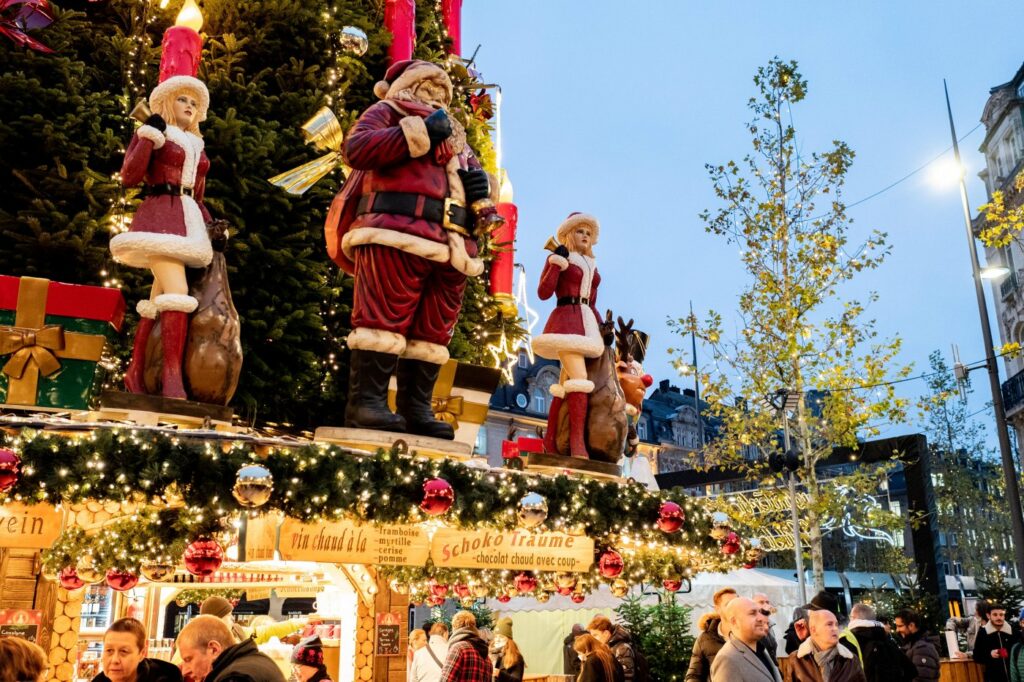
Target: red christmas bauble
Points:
(565, 591)
(610, 564)
(671, 584)
(504, 598)
(578, 597)
(670, 517)
(463, 591)
(69, 580)
(203, 557)
(435, 601)
(9, 463)
(438, 589)
(525, 582)
(733, 538)
(750, 564)
(730, 548)
(121, 581)
(438, 497)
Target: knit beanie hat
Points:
(504, 627)
(309, 651)
(215, 606)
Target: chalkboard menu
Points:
(389, 631)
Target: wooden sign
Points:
(20, 623)
(514, 550)
(346, 542)
(29, 527)
(389, 631)
(261, 536)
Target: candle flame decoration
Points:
(190, 16)
(505, 195)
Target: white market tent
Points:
(540, 629)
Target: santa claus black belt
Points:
(573, 300)
(450, 213)
(168, 188)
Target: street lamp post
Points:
(783, 401)
(1005, 451)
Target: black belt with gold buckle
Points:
(169, 189)
(450, 213)
(573, 300)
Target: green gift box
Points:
(51, 337)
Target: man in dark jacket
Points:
(124, 656)
(881, 657)
(618, 640)
(209, 654)
(919, 648)
(993, 644)
(570, 658)
(711, 639)
(467, 659)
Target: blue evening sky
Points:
(613, 108)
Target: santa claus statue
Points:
(406, 226)
(573, 332)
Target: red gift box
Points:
(530, 444)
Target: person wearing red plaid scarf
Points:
(467, 659)
(308, 661)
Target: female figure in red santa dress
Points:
(168, 232)
(572, 333)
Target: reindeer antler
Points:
(623, 340)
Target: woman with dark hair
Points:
(598, 662)
(21, 661)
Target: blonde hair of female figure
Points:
(173, 110)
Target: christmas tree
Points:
(269, 67)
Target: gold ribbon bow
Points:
(448, 409)
(36, 345)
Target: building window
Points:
(539, 402)
(524, 360)
(895, 507)
(641, 429)
(480, 447)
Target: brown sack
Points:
(213, 353)
(606, 413)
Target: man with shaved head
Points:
(209, 654)
(821, 658)
(744, 658)
(770, 643)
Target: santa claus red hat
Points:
(179, 64)
(574, 220)
(405, 73)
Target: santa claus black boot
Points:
(368, 377)
(415, 390)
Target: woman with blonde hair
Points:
(598, 661)
(168, 232)
(21, 661)
(572, 333)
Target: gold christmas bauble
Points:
(157, 572)
(620, 588)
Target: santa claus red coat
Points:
(170, 225)
(573, 326)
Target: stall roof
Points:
(860, 580)
(832, 580)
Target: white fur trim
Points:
(460, 259)
(146, 308)
(571, 222)
(557, 390)
(411, 75)
(630, 410)
(193, 146)
(415, 130)
(364, 338)
(182, 303)
(455, 189)
(588, 266)
(807, 649)
(425, 351)
(558, 261)
(177, 82)
(550, 345)
(578, 386)
(153, 135)
(380, 88)
(410, 243)
(193, 248)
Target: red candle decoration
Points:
(69, 580)
(610, 564)
(451, 14)
(121, 581)
(503, 238)
(525, 582)
(670, 517)
(182, 45)
(203, 557)
(9, 464)
(438, 497)
(400, 20)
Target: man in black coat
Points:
(993, 644)
(571, 659)
(880, 656)
(209, 654)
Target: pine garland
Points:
(181, 484)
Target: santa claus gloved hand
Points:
(156, 121)
(475, 183)
(439, 128)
